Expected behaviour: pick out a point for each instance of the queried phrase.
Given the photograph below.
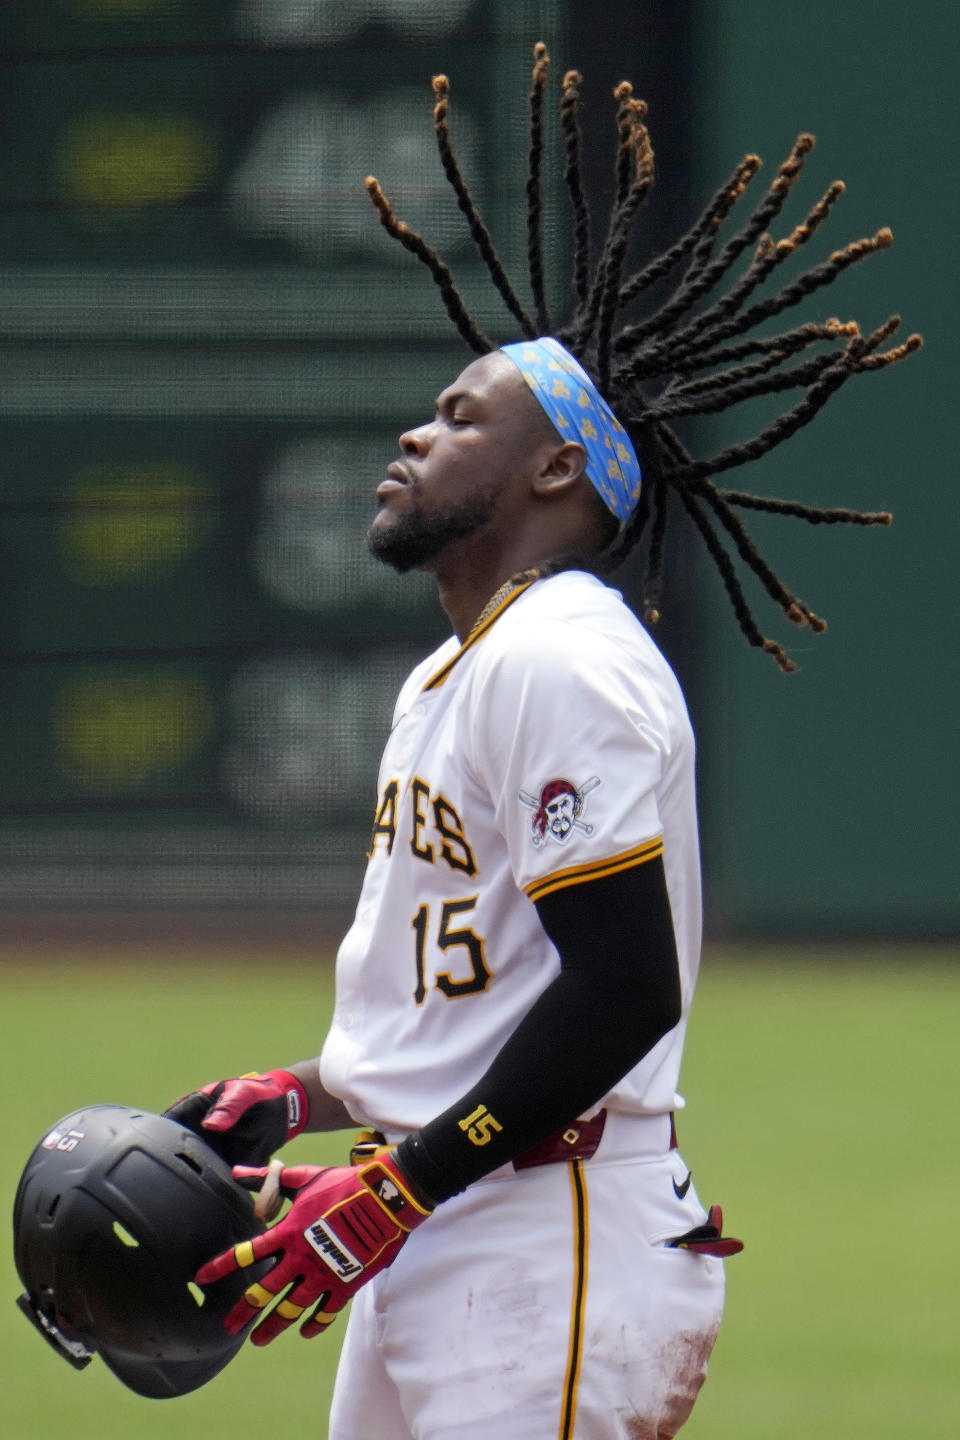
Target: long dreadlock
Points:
(665, 365)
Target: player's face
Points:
(464, 471)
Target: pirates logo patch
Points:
(557, 810)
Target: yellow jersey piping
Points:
(577, 874)
(437, 680)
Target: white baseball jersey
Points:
(551, 748)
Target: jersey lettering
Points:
(449, 939)
(386, 821)
(419, 925)
(420, 792)
(455, 848)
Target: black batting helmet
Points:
(115, 1212)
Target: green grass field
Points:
(822, 1091)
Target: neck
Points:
(469, 572)
(463, 599)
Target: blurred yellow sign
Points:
(130, 522)
(123, 730)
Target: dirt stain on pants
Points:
(683, 1362)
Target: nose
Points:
(415, 442)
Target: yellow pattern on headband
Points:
(612, 466)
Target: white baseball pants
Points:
(543, 1305)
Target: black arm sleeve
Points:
(617, 994)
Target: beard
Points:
(416, 538)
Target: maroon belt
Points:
(578, 1141)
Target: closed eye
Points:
(448, 409)
(451, 417)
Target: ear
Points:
(561, 470)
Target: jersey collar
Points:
(508, 593)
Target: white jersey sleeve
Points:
(574, 742)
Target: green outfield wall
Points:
(831, 795)
(208, 346)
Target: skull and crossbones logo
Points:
(557, 809)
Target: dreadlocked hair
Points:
(696, 353)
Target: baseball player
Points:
(520, 1235)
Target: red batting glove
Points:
(247, 1119)
(346, 1224)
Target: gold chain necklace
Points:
(522, 577)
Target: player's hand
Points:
(247, 1119)
(346, 1224)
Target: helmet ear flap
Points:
(115, 1212)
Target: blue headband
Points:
(579, 412)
